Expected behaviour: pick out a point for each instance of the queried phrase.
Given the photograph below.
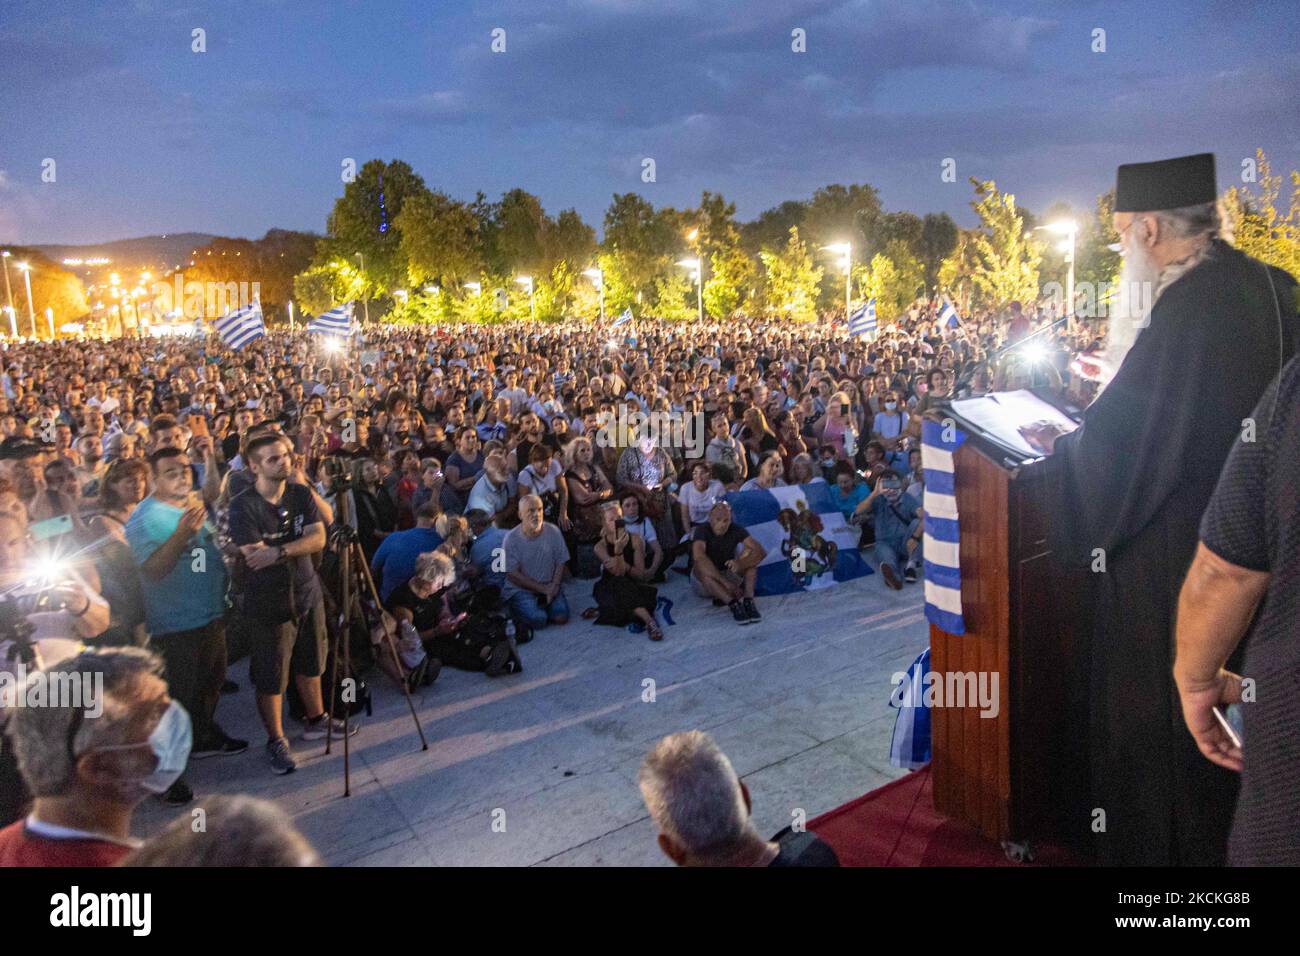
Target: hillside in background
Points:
(154, 253)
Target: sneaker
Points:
(502, 654)
(891, 577)
(223, 746)
(739, 613)
(752, 610)
(282, 761)
(909, 574)
(177, 795)
(318, 729)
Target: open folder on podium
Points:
(1016, 772)
(999, 416)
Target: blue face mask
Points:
(170, 743)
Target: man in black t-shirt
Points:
(277, 527)
(1245, 579)
(726, 563)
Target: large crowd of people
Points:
(176, 502)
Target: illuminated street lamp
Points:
(532, 302)
(846, 250)
(598, 277)
(1070, 229)
(27, 279)
(9, 294)
(694, 264)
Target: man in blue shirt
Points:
(394, 560)
(487, 552)
(896, 516)
(183, 580)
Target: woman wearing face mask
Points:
(889, 427)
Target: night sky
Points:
(150, 137)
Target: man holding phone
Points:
(896, 516)
(183, 582)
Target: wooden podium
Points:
(1021, 776)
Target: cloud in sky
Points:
(250, 135)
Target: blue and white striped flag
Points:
(942, 540)
(809, 544)
(241, 326)
(910, 745)
(864, 320)
(948, 314)
(624, 317)
(337, 321)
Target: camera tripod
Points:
(355, 581)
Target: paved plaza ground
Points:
(799, 702)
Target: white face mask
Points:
(170, 743)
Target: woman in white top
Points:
(544, 477)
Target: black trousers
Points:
(194, 665)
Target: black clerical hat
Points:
(1165, 184)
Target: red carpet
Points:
(896, 825)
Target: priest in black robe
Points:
(1134, 480)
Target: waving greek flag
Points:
(942, 533)
(809, 544)
(948, 314)
(864, 320)
(624, 317)
(910, 745)
(337, 321)
(241, 326)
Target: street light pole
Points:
(9, 294)
(365, 302)
(27, 279)
(846, 249)
(532, 302)
(598, 277)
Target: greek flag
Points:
(910, 745)
(948, 314)
(942, 534)
(624, 317)
(241, 326)
(864, 320)
(809, 544)
(337, 321)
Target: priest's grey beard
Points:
(1141, 283)
(1134, 299)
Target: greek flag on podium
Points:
(910, 745)
(942, 534)
(624, 317)
(948, 314)
(864, 320)
(337, 321)
(241, 326)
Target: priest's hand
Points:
(1199, 698)
(1042, 435)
